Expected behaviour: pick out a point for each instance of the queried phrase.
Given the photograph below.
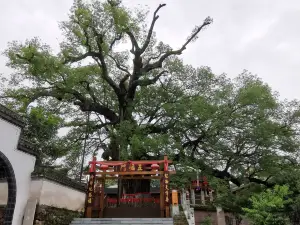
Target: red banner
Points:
(167, 188)
(133, 200)
(90, 190)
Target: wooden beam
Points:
(135, 162)
(132, 173)
(102, 206)
(131, 178)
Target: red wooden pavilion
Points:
(98, 204)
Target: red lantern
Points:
(104, 167)
(154, 166)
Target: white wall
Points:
(57, 195)
(22, 163)
(36, 189)
(3, 193)
(51, 194)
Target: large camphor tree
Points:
(91, 74)
(113, 84)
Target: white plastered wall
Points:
(50, 193)
(60, 196)
(22, 163)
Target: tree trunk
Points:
(128, 186)
(136, 186)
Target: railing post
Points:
(175, 206)
(192, 217)
(211, 197)
(193, 200)
(102, 205)
(202, 197)
(188, 207)
(220, 216)
(183, 199)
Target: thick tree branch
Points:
(137, 51)
(226, 175)
(195, 142)
(155, 17)
(102, 63)
(106, 77)
(158, 64)
(259, 181)
(122, 82)
(84, 103)
(90, 91)
(86, 106)
(156, 129)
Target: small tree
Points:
(268, 207)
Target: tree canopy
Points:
(267, 207)
(143, 101)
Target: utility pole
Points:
(84, 145)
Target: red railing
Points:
(134, 200)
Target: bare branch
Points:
(158, 64)
(146, 82)
(135, 45)
(154, 57)
(117, 38)
(72, 59)
(119, 66)
(155, 17)
(106, 77)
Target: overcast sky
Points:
(260, 36)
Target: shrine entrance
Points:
(134, 205)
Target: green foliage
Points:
(206, 221)
(267, 207)
(42, 124)
(110, 182)
(51, 215)
(41, 130)
(291, 177)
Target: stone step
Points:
(123, 221)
